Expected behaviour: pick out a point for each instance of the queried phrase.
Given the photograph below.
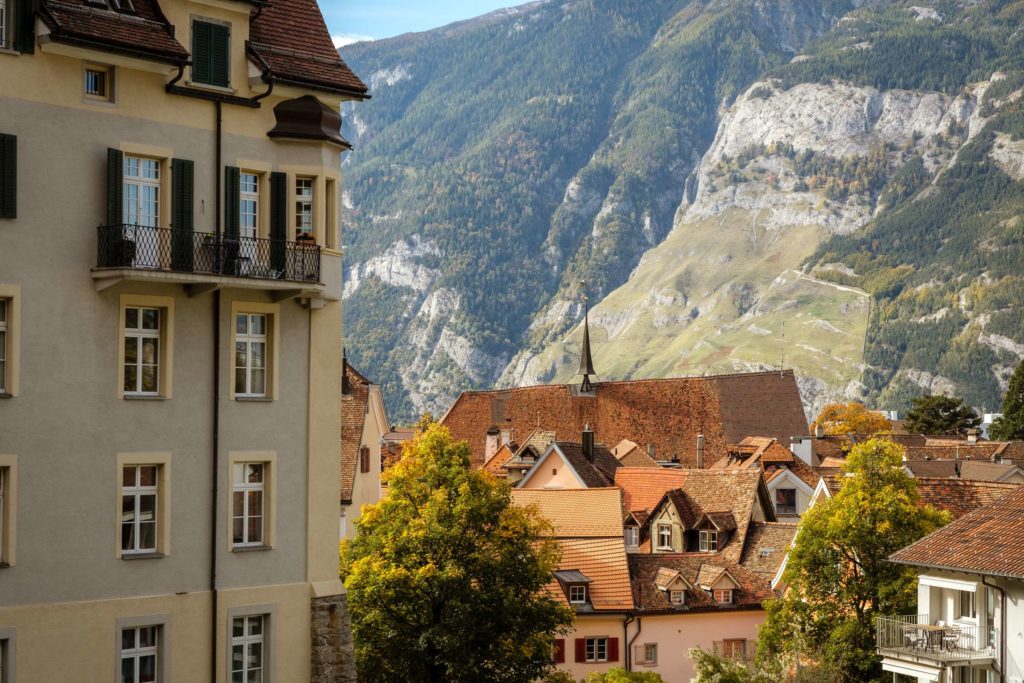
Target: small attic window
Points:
(578, 594)
(122, 6)
(765, 552)
(709, 541)
(723, 596)
(677, 597)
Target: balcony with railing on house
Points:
(126, 251)
(917, 638)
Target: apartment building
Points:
(170, 341)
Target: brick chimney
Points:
(700, 451)
(588, 443)
(492, 442)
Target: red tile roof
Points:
(576, 513)
(146, 33)
(290, 38)
(959, 497)
(644, 487)
(766, 547)
(668, 413)
(977, 470)
(353, 414)
(754, 588)
(988, 541)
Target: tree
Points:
(851, 418)
(426, 419)
(620, 675)
(712, 667)
(940, 415)
(838, 574)
(445, 577)
(1011, 424)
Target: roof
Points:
(496, 463)
(959, 497)
(571, 576)
(978, 470)
(644, 487)
(354, 403)
(603, 561)
(577, 513)
(667, 413)
(645, 570)
(290, 39)
(766, 547)
(989, 541)
(723, 521)
(146, 33)
(599, 473)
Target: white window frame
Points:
(249, 340)
(138, 652)
(249, 204)
(664, 529)
(137, 491)
(5, 39)
(5, 315)
(141, 182)
(650, 654)
(723, 596)
(596, 649)
(577, 594)
(246, 489)
(677, 593)
(245, 642)
(972, 604)
(138, 335)
(632, 537)
(305, 205)
(708, 541)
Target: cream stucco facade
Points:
(366, 485)
(71, 429)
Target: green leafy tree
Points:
(712, 667)
(838, 573)
(1011, 424)
(445, 577)
(940, 415)
(620, 675)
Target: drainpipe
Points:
(1002, 628)
(215, 460)
(629, 641)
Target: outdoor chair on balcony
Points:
(914, 640)
(951, 638)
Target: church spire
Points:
(586, 360)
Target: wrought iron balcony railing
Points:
(139, 247)
(914, 635)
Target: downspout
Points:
(216, 418)
(629, 641)
(1002, 628)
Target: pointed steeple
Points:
(586, 360)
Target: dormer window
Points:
(709, 541)
(631, 534)
(723, 596)
(578, 594)
(575, 584)
(677, 597)
(665, 536)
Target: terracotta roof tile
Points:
(644, 487)
(977, 470)
(667, 413)
(767, 545)
(354, 403)
(959, 497)
(146, 33)
(989, 540)
(577, 512)
(644, 570)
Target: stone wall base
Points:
(333, 655)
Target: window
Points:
(251, 355)
(632, 536)
(597, 650)
(734, 649)
(249, 210)
(142, 198)
(677, 597)
(577, 594)
(303, 207)
(8, 492)
(3, 518)
(723, 596)
(247, 648)
(248, 499)
(708, 541)
(139, 491)
(99, 83)
(364, 459)
(558, 651)
(5, 31)
(8, 171)
(139, 654)
(968, 605)
(7, 655)
(142, 350)
(664, 535)
(331, 192)
(648, 654)
(785, 501)
(210, 53)
(3, 343)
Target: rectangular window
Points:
(99, 82)
(734, 649)
(664, 535)
(8, 492)
(785, 501)
(139, 652)
(210, 53)
(708, 541)
(723, 596)
(3, 519)
(677, 597)
(139, 491)
(304, 207)
(333, 227)
(247, 649)
(577, 594)
(650, 654)
(3, 345)
(632, 536)
(142, 350)
(6, 655)
(597, 650)
(5, 42)
(251, 355)
(8, 174)
(248, 500)
(249, 210)
(968, 605)
(142, 198)
(364, 460)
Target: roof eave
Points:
(962, 570)
(59, 36)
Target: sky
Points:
(350, 21)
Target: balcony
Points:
(915, 638)
(204, 261)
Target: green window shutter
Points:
(182, 212)
(8, 176)
(278, 221)
(115, 187)
(24, 25)
(232, 200)
(219, 55)
(201, 51)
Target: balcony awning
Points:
(913, 669)
(948, 583)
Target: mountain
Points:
(737, 181)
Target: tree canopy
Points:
(851, 418)
(838, 574)
(1011, 424)
(445, 577)
(940, 416)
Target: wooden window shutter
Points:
(278, 221)
(613, 649)
(8, 176)
(639, 654)
(24, 25)
(201, 49)
(232, 201)
(364, 459)
(581, 650)
(559, 651)
(182, 221)
(115, 187)
(219, 55)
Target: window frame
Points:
(297, 198)
(11, 351)
(783, 507)
(8, 655)
(332, 219)
(246, 488)
(708, 541)
(7, 30)
(8, 510)
(269, 614)
(138, 652)
(269, 461)
(631, 536)
(649, 658)
(724, 592)
(249, 340)
(672, 596)
(162, 624)
(253, 197)
(137, 336)
(364, 459)
(272, 354)
(140, 181)
(162, 462)
(109, 83)
(592, 649)
(5, 305)
(574, 590)
(166, 350)
(971, 599)
(196, 19)
(662, 529)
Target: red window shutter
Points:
(559, 655)
(581, 650)
(364, 459)
(613, 649)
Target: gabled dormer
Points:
(576, 587)
(711, 533)
(673, 585)
(718, 583)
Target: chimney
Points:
(506, 434)
(972, 436)
(588, 443)
(819, 431)
(650, 451)
(492, 442)
(700, 451)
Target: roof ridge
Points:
(481, 392)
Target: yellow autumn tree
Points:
(851, 418)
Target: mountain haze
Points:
(734, 180)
